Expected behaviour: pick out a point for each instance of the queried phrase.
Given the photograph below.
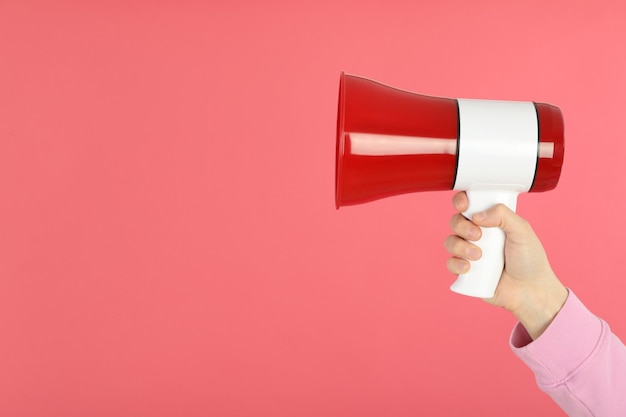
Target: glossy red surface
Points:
(366, 106)
(551, 130)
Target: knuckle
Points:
(449, 243)
(456, 223)
(459, 246)
(455, 245)
(456, 265)
(451, 263)
(501, 209)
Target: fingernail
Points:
(473, 253)
(473, 233)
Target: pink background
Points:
(169, 244)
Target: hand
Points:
(528, 287)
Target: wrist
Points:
(539, 306)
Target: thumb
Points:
(515, 227)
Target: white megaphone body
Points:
(391, 142)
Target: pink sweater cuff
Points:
(565, 345)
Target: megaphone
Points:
(391, 141)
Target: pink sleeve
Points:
(577, 361)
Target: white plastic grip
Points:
(484, 274)
(496, 160)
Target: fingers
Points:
(460, 245)
(461, 248)
(460, 201)
(515, 227)
(462, 252)
(464, 228)
(458, 266)
(497, 216)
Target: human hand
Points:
(528, 287)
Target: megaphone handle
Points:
(484, 274)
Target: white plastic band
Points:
(498, 142)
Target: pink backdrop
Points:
(169, 244)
